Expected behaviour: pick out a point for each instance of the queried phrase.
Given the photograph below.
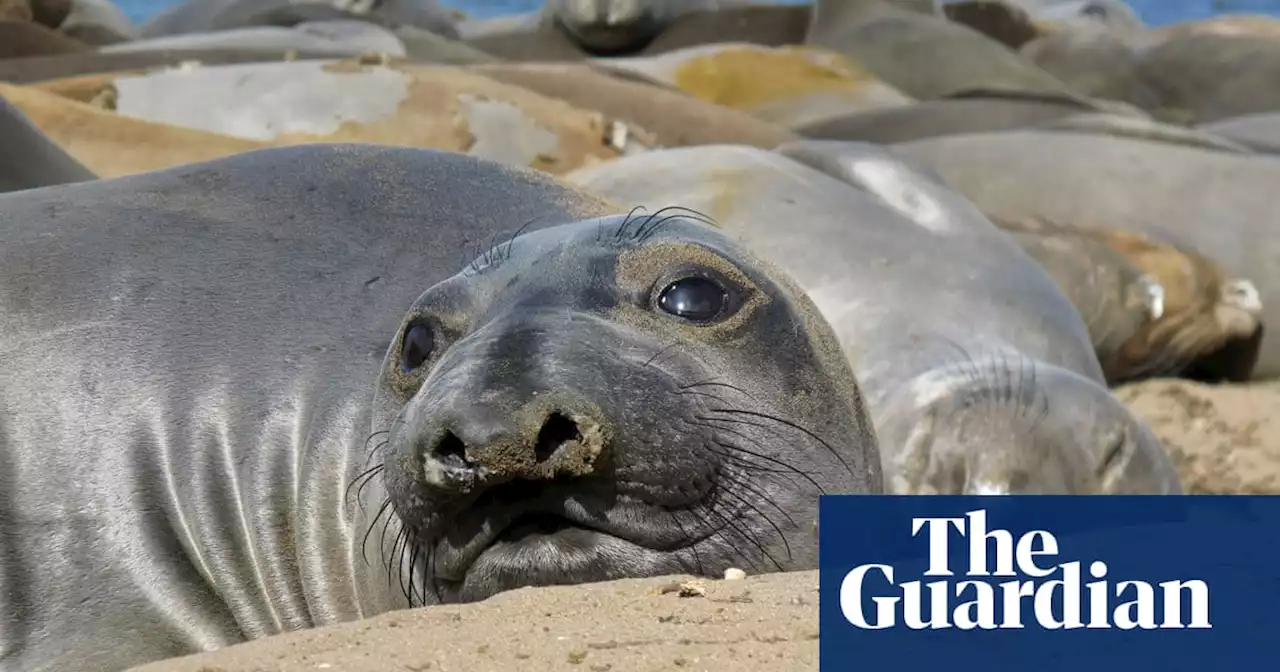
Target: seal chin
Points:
(985, 428)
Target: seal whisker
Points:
(617, 236)
(413, 576)
(359, 482)
(374, 453)
(767, 458)
(746, 465)
(398, 549)
(713, 383)
(642, 233)
(750, 538)
(693, 548)
(746, 486)
(792, 425)
(364, 543)
(659, 353)
(762, 516)
(704, 394)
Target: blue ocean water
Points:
(1154, 12)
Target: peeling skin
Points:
(503, 132)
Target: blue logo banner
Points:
(1046, 583)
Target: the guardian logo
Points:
(1054, 602)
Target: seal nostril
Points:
(556, 431)
(451, 446)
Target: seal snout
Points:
(480, 445)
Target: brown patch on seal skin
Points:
(745, 77)
(1112, 295)
(1207, 315)
(437, 113)
(111, 145)
(676, 119)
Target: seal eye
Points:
(695, 299)
(419, 341)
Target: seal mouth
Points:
(515, 516)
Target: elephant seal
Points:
(978, 373)
(1211, 76)
(1153, 310)
(924, 56)
(359, 101)
(319, 383)
(582, 27)
(1214, 203)
(28, 158)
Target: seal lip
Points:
(486, 524)
(483, 527)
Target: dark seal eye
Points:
(419, 341)
(694, 299)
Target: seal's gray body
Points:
(924, 56)
(209, 425)
(186, 396)
(28, 158)
(1214, 202)
(929, 299)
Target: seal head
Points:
(622, 397)
(612, 26)
(1075, 437)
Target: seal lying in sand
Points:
(979, 374)
(1215, 203)
(1152, 309)
(28, 158)
(287, 361)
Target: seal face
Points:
(978, 372)
(622, 397)
(612, 26)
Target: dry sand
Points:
(1225, 439)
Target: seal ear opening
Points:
(1231, 363)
